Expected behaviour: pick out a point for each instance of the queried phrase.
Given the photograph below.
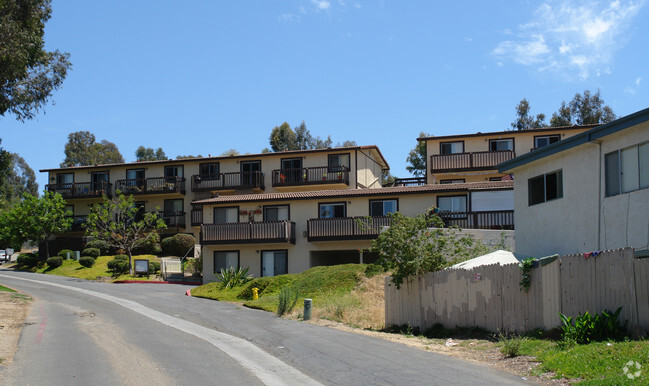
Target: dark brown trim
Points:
(261, 258)
(447, 142)
(332, 203)
(222, 158)
(230, 206)
(229, 250)
(381, 199)
(503, 139)
(263, 211)
(509, 132)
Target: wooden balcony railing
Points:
(228, 181)
(412, 181)
(483, 160)
(81, 189)
(155, 185)
(311, 176)
(77, 223)
(173, 218)
(248, 232)
(345, 228)
(498, 219)
(197, 217)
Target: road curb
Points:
(155, 282)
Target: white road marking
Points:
(269, 370)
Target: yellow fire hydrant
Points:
(255, 293)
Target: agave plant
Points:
(232, 277)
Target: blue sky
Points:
(201, 77)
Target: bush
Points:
(154, 267)
(511, 345)
(55, 261)
(119, 265)
(103, 246)
(149, 245)
(287, 300)
(592, 328)
(63, 253)
(232, 277)
(87, 261)
(28, 260)
(94, 252)
(177, 245)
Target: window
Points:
(274, 263)
(545, 187)
(451, 147)
(64, 178)
(99, 181)
(627, 169)
(174, 171)
(332, 210)
(455, 181)
(225, 260)
(545, 140)
(501, 144)
(208, 169)
(383, 207)
(135, 174)
(276, 213)
(226, 215)
(291, 172)
(251, 173)
(452, 204)
(338, 162)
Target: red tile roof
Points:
(509, 132)
(420, 189)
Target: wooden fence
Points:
(490, 296)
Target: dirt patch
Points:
(14, 308)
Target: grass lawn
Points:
(72, 268)
(5, 289)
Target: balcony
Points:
(311, 176)
(173, 219)
(345, 228)
(412, 181)
(228, 181)
(77, 223)
(483, 160)
(81, 189)
(500, 219)
(197, 217)
(155, 185)
(248, 232)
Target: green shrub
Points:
(510, 345)
(260, 283)
(373, 269)
(87, 261)
(63, 253)
(592, 328)
(287, 300)
(103, 246)
(150, 245)
(177, 245)
(28, 259)
(233, 277)
(54, 261)
(119, 265)
(154, 267)
(94, 252)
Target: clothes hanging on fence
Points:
(591, 254)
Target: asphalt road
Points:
(91, 333)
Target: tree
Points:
(524, 120)
(117, 221)
(282, 138)
(28, 73)
(347, 143)
(35, 219)
(416, 245)
(417, 158)
(81, 149)
(20, 180)
(5, 170)
(188, 156)
(230, 152)
(583, 109)
(148, 154)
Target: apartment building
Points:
(474, 157)
(169, 187)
